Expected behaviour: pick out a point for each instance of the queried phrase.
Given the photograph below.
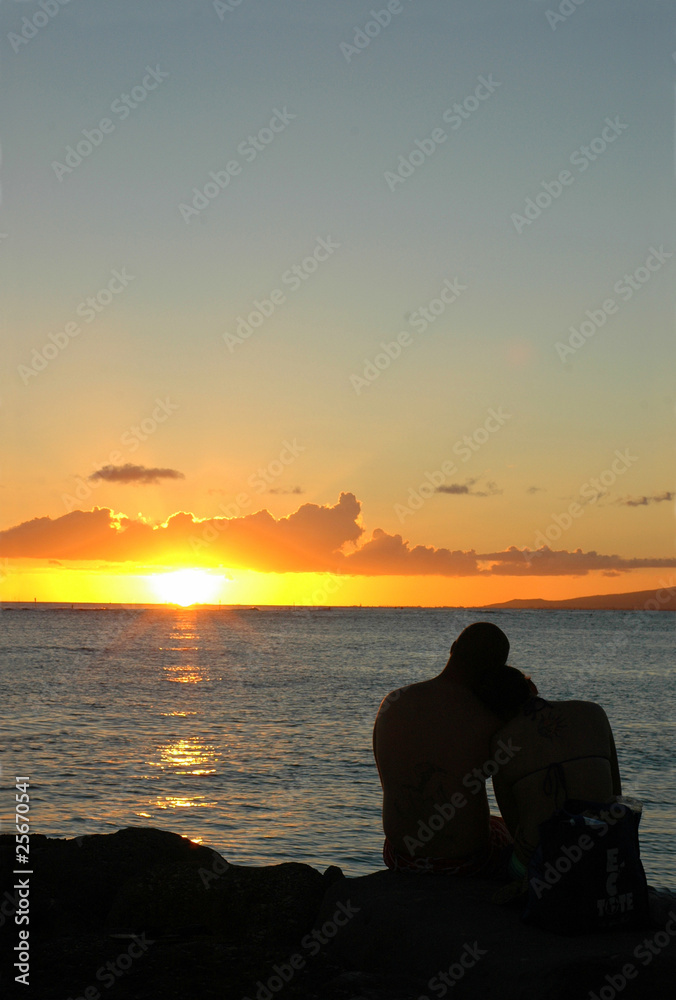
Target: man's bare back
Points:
(428, 741)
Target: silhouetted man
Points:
(432, 744)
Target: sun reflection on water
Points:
(186, 756)
(186, 639)
(185, 673)
(183, 802)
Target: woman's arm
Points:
(614, 765)
(505, 798)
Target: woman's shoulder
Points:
(576, 709)
(542, 719)
(537, 705)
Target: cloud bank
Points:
(312, 539)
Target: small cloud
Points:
(645, 501)
(536, 489)
(491, 490)
(465, 489)
(55, 562)
(139, 474)
(454, 489)
(283, 491)
(610, 572)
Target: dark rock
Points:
(173, 917)
(417, 926)
(75, 881)
(153, 916)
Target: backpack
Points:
(586, 873)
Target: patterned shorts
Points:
(490, 862)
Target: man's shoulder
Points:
(403, 694)
(416, 697)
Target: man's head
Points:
(477, 648)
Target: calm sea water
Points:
(251, 730)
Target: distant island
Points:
(639, 600)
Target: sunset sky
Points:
(337, 302)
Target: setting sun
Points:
(186, 586)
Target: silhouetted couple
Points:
(436, 742)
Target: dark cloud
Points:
(312, 538)
(390, 555)
(536, 489)
(134, 474)
(465, 489)
(283, 491)
(645, 501)
(455, 489)
(549, 562)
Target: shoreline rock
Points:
(154, 916)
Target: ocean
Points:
(250, 730)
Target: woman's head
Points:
(504, 690)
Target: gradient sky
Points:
(296, 398)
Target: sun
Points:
(186, 586)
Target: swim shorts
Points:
(490, 862)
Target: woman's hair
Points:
(503, 689)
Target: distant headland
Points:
(639, 600)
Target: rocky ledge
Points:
(149, 915)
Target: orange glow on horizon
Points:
(110, 584)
